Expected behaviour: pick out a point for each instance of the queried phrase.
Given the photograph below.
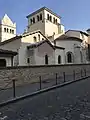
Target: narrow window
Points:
(59, 59)
(38, 37)
(33, 20)
(40, 16)
(47, 16)
(12, 31)
(53, 33)
(28, 60)
(4, 29)
(46, 59)
(35, 39)
(54, 20)
(7, 30)
(51, 18)
(69, 57)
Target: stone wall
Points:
(28, 74)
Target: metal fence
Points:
(14, 88)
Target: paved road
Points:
(29, 88)
(71, 102)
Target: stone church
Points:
(44, 42)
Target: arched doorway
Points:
(2, 63)
(70, 57)
(59, 59)
(46, 59)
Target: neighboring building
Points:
(19, 44)
(7, 28)
(6, 58)
(45, 20)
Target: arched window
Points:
(47, 16)
(7, 30)
(4, 29)
(59, 59)
(10, 31)
(38, 37)
(46, 59)
(51, 18)
(35, 39)
(33, 20)
(38, 18)
(69, 57)
(54, 20)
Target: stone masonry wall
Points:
(24, 75)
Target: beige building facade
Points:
(7, 28)
(48, 22)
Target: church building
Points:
(44, 42)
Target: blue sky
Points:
(75, 13)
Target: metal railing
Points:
(13, 89)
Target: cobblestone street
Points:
(71, 102)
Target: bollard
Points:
(64, 76)
(40, 82)
(56, 78)
(14, 91)
(73, 74)
(85, 71)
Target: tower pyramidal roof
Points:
(7, 21)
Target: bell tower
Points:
(7, 28)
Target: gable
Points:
(7, 21)
(29, 37)
(44, 48)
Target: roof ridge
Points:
(42, 8)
